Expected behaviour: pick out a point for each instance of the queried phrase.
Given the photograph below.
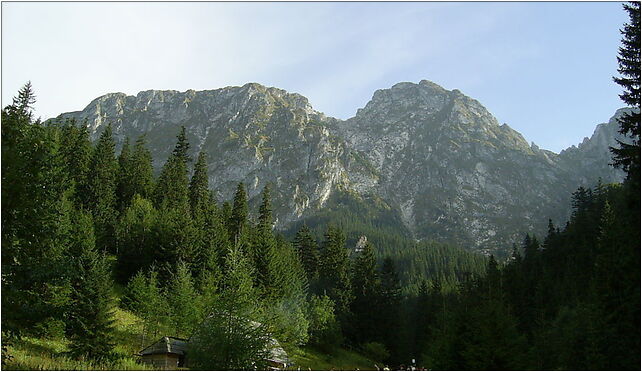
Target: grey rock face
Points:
(437, 157)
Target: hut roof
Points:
(166, 345)
(276, 352)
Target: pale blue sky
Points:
(543, 68)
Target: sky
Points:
(544, 68)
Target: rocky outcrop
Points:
(436, 157)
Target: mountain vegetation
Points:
(94, 238)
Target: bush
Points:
(324, 328)
(229, 342)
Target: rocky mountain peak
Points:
(436, 159)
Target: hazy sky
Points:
(543, 68)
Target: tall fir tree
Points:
(199, 194)
(627, 155)
(34, 185)
(124, 191)
(389, 305)
(142, 171)
(186, 311)
(264, 248)
(334, 273)
(172, 188)
(136, 238)
(308, 251)
(238, 217)
(365, 287)
(91, 315)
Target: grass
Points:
(315, 359)
(34, 353)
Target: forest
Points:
(89, 234)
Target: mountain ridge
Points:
(435, 156)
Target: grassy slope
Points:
(338, 359)
(32, 353)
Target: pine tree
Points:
(102, 189)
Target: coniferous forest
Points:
(92, 236)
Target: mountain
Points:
(435, 160)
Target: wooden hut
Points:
(277, 357)
(166, 353)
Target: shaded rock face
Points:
(436, 157)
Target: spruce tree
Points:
(102, 189)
